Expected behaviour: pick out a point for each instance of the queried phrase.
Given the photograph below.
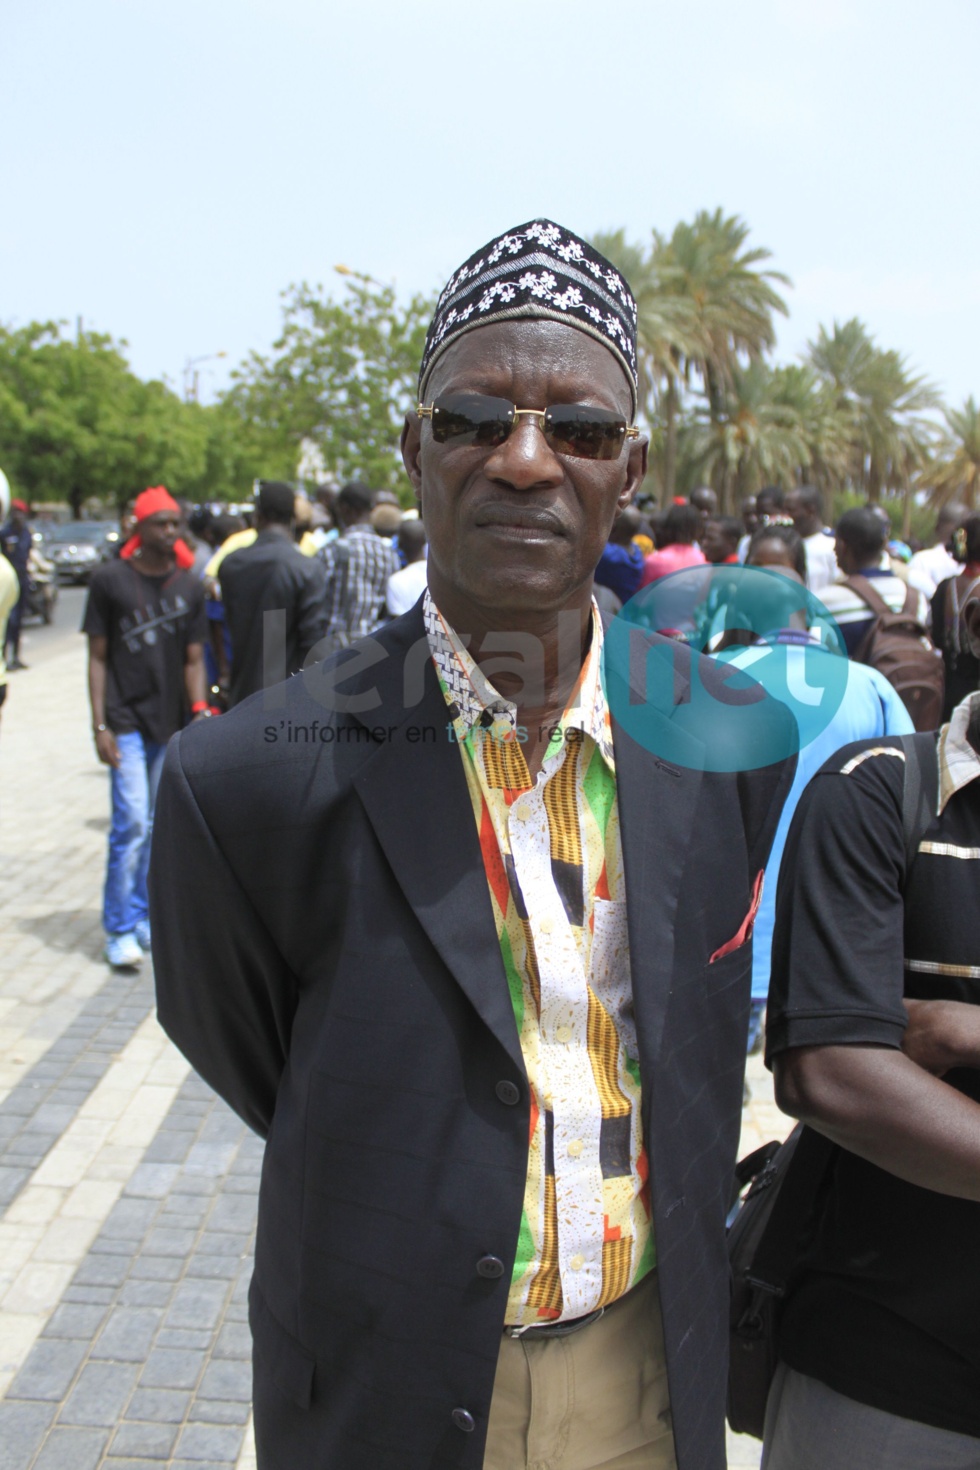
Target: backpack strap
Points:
(920, 793)
(870, 594)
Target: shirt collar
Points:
(959, 763)
(472, 700)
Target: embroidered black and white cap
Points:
(537, 270)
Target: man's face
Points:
(800, 514)
(520, 527)
(715, 544)
(159, 532)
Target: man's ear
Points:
(636, 468)
(412, 451)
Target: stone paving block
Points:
(183, 1464)
(227, 1378)
(220, 1411)
(162, 1241)
(130, 1217)
(129, 1464)
(233, 1341)
(145, 1293)
(234, 1213)
(165, 1405)
(71, 1449)
(215, 1242)
(197, 1305)
(128, 1335)
(169, 1147)
(184, 1337)
(12, 1181)
(72, 1319)
(53, 1117)
(172, 1368)
(157, 1268)
(212, 1159)
(22, 1428)
(49, 1370)
(102, 1271)
(151, 1181)
(109, 1246)
(88, 1295)
(143, 1441)
(100, 1394)
(208, 1442)
(213, 1268)
(201, 1184)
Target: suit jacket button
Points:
(490, 1267)
(464, 1420)
(509, 1093)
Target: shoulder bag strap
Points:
(869, 594)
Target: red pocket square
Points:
(745, 928)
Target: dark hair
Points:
(864, 532)
(680, 527)
(199, 520)
(730, 528)
(355, 497)
(226, 525)
(809, 496)
(790, 538)
(276, 501)
(772, 494)
(411, 536)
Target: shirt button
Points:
(463, 1419)
(545, 925)
(577, 1262)
(564, 1033)
(575, 1147)
(508, 1092)
(522, 811)
(490, 1267)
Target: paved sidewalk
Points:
(127, 1190)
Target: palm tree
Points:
(886, 404)
(955, 474)
(759, 435)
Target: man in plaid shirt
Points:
(358, 566)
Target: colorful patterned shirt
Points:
(554, 866)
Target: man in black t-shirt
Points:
(874, 1038)
(145, 624)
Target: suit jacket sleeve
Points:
(312, 620)
(224, 994)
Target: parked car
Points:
(77, 548)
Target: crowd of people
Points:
(484, 973)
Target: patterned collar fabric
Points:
(958, 761)
(538, 270)
(472, 700)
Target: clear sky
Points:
(167, 169)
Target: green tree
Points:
(77, 424)
(886, 407)
(955, 473)
(342, 375)
(756, 437)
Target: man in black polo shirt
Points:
(874, 1038)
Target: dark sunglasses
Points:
(569, 428)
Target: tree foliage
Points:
(340, 376)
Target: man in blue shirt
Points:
(621, 564)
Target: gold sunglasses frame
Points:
(425, 412)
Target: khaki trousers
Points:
(595, 1400)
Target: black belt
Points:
(555, 1329)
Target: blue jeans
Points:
(134, 794)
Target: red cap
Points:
(20, 505)
(153, 501)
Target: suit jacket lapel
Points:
(414, 792)
(658, 801)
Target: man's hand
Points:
(106, 748)
(942, 1034)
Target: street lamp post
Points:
(191, 375)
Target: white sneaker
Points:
(123, 951)
(142, 932)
